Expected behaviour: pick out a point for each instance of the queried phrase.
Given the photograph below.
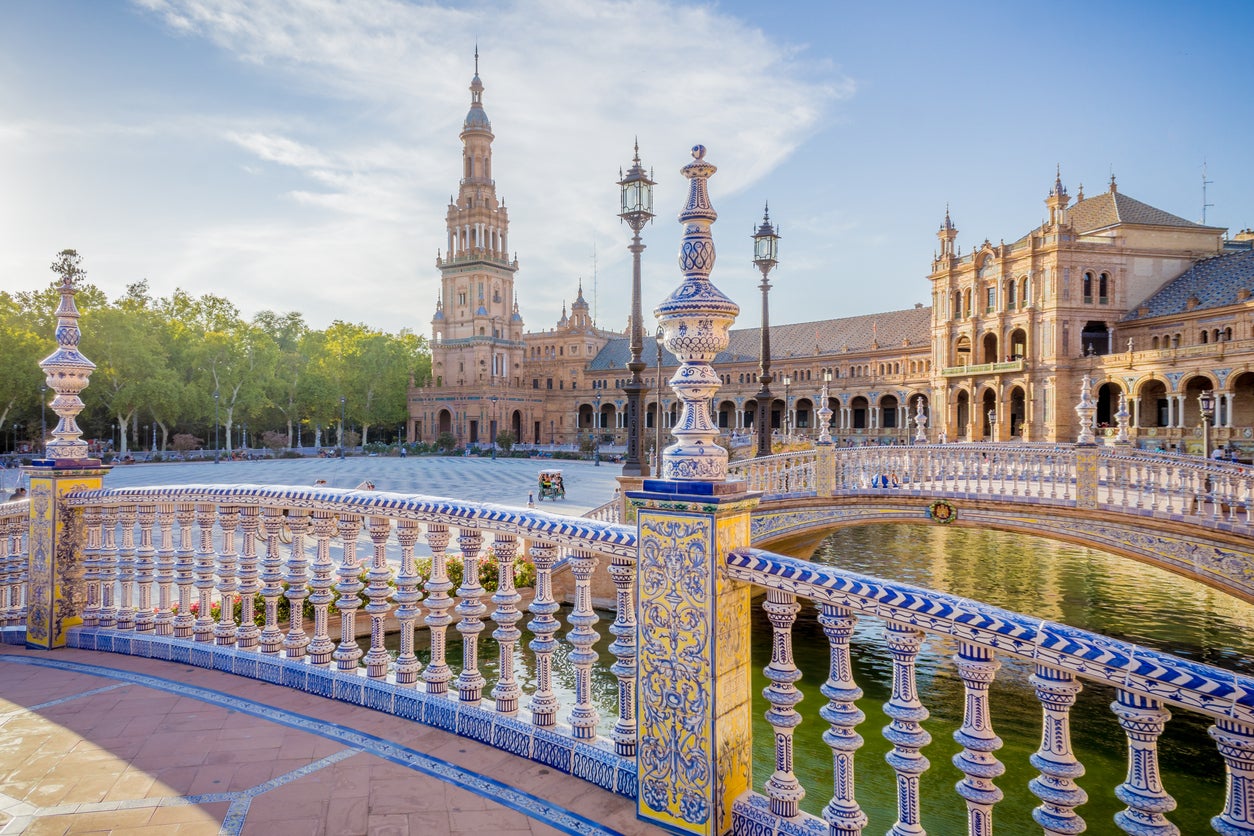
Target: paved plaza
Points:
(504, 481)
(104, 743)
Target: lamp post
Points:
(657, 418)
(1206, 404)
(765, 256)
(217, 454)
(596, 438)
(992, 425)
(493, 399)
(154, 436)
(43, 421)
(637, 210)
(342, 401)
(825, 411)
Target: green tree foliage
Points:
(159, 361)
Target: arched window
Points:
(1205, 337)
(1227, 333)
(1103, 289)
(1087, 290)
(1175, 340)
(1154, 343)
(1023, 292)
(1011, 299)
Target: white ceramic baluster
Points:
(584, 716)
(347, 653)
(471, 609)
(126, 568)
(437, 619)
(1056, 786)
(506, 616)
(165, 570)
(977, 667)
(92, 520)
(543, 702)
(623, 572)
(202, 630)
(271, 638)
(1236, 746)
(1143, 720)
(296, 640)
(108, 570)
(224, 631)
(842, 813)
(406, 598)
(184, 565)
(378, 590)
(320, 597)
(145, 564)
(782, 788)
(248, 634)
(905, 732)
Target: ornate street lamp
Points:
(1206, 403)
(992, 425)
(217, 454)
(342, 400)
(765, 256)
(637, 210)
(493, 399)
(596, 437)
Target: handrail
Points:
(1145, 680)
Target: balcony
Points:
(984, 368)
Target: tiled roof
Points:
(1214, 282)
(1110, 208)
(831, 336)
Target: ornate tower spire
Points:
(695, 320)
(947, 233)
(1057, 200)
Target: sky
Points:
(299, 155)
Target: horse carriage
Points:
(551, 487)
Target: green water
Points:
(1065, 583)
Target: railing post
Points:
(1143, 719)
(506, 615)
(55, 542)
(583, 717)
(842, 813)
(623, 571)
(693, 704)
(1236, 746)
(1056, 786)
(825, 469)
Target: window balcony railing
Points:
(984, 368)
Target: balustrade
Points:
(207, 540)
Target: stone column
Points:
(693, 689)
(56, 539)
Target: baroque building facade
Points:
(1153, 308)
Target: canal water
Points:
(1070, 584)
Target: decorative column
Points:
(694, 752)
(782, 788)
(842, 813)
(1143, 720)
(406, 598)
(906, 732)
(165, 570)
(623, 573)
(976, 668)
(506, 615)
(377, 590)
(55, 542)
(470, 609)
(228, 522)
(248, 634)
(1055, 760)
(1121, 418)
(583, 717)
(1086, 450)
(543, 625)
(1236, 746)
(320, 585)
(437, 674)
(920, 422)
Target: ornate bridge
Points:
(1185, 514)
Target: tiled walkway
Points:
(98, 743)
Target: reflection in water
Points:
(1050, 580)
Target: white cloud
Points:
(569, 83)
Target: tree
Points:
(446, 441)
(505, 440)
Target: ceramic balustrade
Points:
(304, 550)
(14, 523)
(1215, 494)
(1146, 683)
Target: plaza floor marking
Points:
(529, 805)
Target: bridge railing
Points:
(1146, 682)
(779, 474)
(251, 579)
(14, 577)
(1215, 494)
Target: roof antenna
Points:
(1205, 183)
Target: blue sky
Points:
(299, 154)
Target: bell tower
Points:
(476, 331)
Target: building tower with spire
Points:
(476, 348)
